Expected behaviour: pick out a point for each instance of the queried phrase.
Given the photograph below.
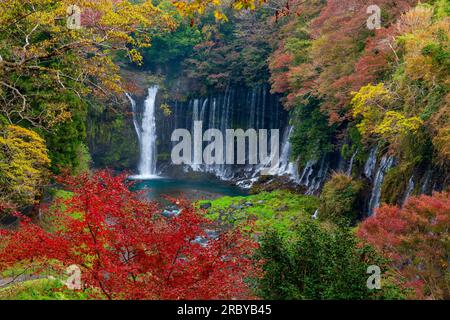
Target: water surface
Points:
(191, 189)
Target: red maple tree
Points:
(416, 239)
(127, 250)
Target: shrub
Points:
(319, 263)
(340, 198)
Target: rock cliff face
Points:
(111, 138)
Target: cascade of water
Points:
(307, 171)
(195, 111)
(212, 121)
(263, 111)
(284, 166)
(147, 164)
(319, 178)
(212, 114)
(386, 163)
(251, 122)
(135, 121)
(285, 151)
(409, 189)
(426, 183)
(195, 117)
(228, 170)
(202, 112)
(371, 162)
(350, 166)
(236, 108)
(222, 171)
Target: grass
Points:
(40, 289)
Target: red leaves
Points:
(416, 239)
(126, 249)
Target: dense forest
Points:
(360, 93)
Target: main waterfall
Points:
(146, 133)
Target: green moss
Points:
(395, 183)
(112, 140)
(311, 138)
(281, 210)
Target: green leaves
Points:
(339, 199)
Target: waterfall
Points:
(319, 178)
(350, 166)
(307, 172)
(426, 183)
(195, 111)
(202, 112)
(135, 121)
(409, 189)
(315, 215)
(195, 117)
(283, 164)
(147, 137)
(235, 108)
(371, 162)
(386, 163)
(284, 167)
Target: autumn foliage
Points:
(24, 164)
(416, 239)
(127, 250)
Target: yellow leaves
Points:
(120, 36)
(369, 103)
(119, 26)
(220, 16)
(56, 113)
(135, 56)
(238, 5)
(368, 96)
(190, 8)
(373, 104)
(395, 123)
(247, 4)
(23, 164)
(166, 109)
